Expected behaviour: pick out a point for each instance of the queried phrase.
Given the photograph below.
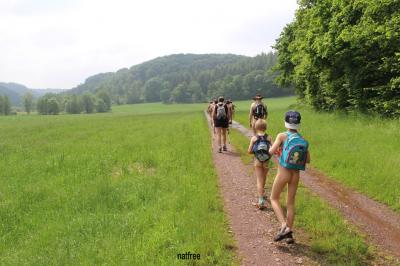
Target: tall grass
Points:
(112, 188)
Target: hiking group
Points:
(221, 113)
(289, 151)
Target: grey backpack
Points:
(221, 112)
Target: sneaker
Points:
(283, 234)
(261, 204)
(290, 239)
(220, 150)
(224, 148)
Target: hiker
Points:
(211, 105)
(221, 116)
(210, 109)
(231, 107)
(258, 110)
(293, 153)
(259, 146)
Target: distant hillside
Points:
(15, 97)
(16, 91)
(40, 92)
(188, 78)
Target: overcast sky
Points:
(59, 43)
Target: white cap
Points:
(292, 126)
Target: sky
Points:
(60, 43)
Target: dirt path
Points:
(380, 224)
(253, 229)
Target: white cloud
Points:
(50, 43)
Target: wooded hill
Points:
(15, 92)
(186, 78)
(344, 55)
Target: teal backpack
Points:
(294, 152)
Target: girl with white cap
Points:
(293, 153)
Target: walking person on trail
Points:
(221, 117)
(210, 109)
(293, 153)
(259, 146)
(258, 110)
(231, 107)
(211, 105)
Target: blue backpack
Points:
(261, 148)
(294, 152)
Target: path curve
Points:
(380, 224)
(253, 229)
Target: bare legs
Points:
(219, 129)
(261, 174)
(253, 124)
(221, 136)
(223, 132)
(291, 178)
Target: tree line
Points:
(5, 105)
(52, 104)
(181, 78)
(188, 78)
(343, 55)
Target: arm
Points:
(266, 112)
(308, 159)
(212, 119)
(229, 113)
(252, 141)
(251, 114)
(279, 139)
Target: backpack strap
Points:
(266, 138)
(259, 137)
(253, 110)
(291, 134)
(285, 143)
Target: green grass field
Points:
(117, 188)
(361, 152)
(123, 187)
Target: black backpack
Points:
(261, 148)
(259, 111)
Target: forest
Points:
(343, 55)
(179, 78)
(189, 78)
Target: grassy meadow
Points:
(128, 187)
(359, 151)
(120, 188)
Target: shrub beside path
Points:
(378, 222)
